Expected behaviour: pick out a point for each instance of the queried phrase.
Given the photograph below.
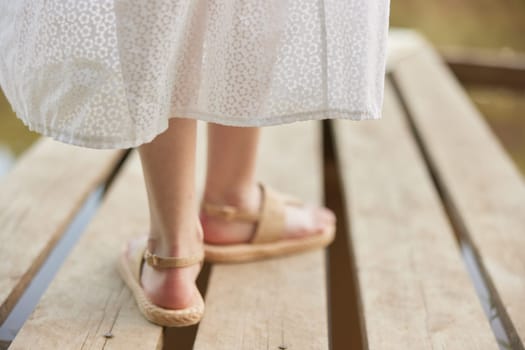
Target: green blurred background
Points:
(487, 24)
(496, 25)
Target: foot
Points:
(299, 220)
(170, 288)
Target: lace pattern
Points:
(110, 73)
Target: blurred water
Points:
(45, 275)
(15, 138)
(7, 159)
(482, 289)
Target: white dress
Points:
(110, 73)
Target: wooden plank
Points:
(401, 43)
(415, 292)
(87, 298)
(483, 188)
(477, 66)
(38, 199)
(267, 304)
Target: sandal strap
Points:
(229, 212)
(171, 261)
(272, 221)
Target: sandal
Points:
(130, 271)
(267, 241)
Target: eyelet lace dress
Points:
(111, 73)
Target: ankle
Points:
(242, 196)
(178, 251)
(178, 247)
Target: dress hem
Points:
(95, 142)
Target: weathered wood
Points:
(267, 304)
(482, 187)
(87, 298)
(401, 43)
(38, 200)
(415, 292)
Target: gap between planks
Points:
(481, 187)
(415, 291)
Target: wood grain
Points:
(267, 304)
(272, 302)
(87, 298)
(414, 288)
(483, 188)
(38, 200)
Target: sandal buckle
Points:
(154, 260)
(151, 258)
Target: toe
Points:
(309, 220)
(328, 215)
(323, 218)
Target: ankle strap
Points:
(165, 262)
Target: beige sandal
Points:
(130, 271)
(267, 240)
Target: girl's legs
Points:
(168, 163)
(231, 180)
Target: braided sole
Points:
(243, 252)
(156, 314)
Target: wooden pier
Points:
(429, 254)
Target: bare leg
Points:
(168, 163)
(231, 179)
